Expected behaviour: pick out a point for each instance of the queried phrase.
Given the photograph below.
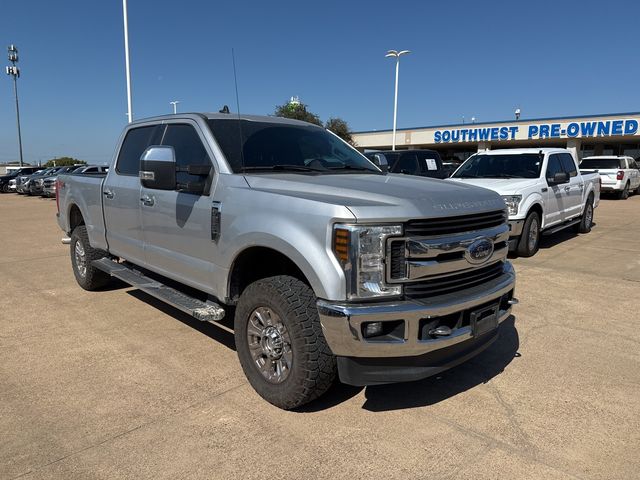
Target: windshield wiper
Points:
(352, 167)
(299, 168)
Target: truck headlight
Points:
(512, 202)
(360, 249)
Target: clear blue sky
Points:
(468, 58)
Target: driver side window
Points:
(554, 166)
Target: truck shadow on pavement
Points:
(432, 390)
(210, 330)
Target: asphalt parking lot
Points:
(114, 384)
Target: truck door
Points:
(574, 189)
(121, 196)
(555, 195)
(177, 225)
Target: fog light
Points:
(372, 329)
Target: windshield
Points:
(275, 146)
(522, 165)
(601, 163)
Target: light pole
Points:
(396, 54)
(517, 112)
(126, 59)
(174, 103)
(14, 71)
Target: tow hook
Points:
(66, 240)
(441, 331)
(513, 301)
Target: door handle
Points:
(567, 189)
(147, 201)
(108, 193)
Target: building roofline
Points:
(521, 121)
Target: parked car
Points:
(36, 182)
(91, 169)
(332, 267)
(619, 175)
(23, 181)
(542, 188)
(425, 163)
(49, 182)
(4, 179)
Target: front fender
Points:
(527, 203)
(303, 235)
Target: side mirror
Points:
(158, 168)
(558, 178)
(380, 161)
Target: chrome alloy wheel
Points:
(81, 259)
(534, 233)
(589, 215)
(269, 344)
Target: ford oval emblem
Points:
(479, 251)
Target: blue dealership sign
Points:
(608, 128)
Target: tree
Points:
(341, 129)
(297, 111)
(64, 161)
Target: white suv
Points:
(617, 174)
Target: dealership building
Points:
(607, 134)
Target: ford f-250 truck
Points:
(332, 266)
(543, 189)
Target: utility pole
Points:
(14, 71)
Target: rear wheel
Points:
(530, 237)
(586, 222)
(280, 343)
(82, 254)
(5, 188)
(624, 194)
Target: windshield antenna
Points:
(235, 79)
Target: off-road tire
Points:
(93, 278)
(586, 222)
(313, 367)
(525, 248)
(624, 194)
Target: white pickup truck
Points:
(543, 189)
(619, 175)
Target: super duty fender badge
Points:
(479, 251)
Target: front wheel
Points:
(280, 342)
(530, 238)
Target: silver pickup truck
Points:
(331, 266)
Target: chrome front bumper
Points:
(342, 322)
(515, 227)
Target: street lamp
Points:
(396, 55)
(517, 112)
(174, 103)
(14, 71)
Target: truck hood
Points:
(503, 186)
(391, 197)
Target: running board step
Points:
(553, 230)
(207, 312)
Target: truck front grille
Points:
(434, 257)
(453, 283)
(459, 224)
